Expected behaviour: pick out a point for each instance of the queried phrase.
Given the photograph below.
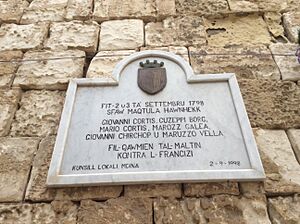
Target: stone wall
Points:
(45, 43)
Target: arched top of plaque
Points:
(158, 55)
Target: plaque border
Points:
(256, 173)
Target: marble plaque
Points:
(194, 128)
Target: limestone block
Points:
(39, 113)
(237, 30)
(201, 7)
(173, 211)
(285, 210)
(181, 51)
(104, 62)
(153, 190)
(186, 31)
(281, 166)
(284, 55)
(22, 37)
(291, 22)
(208, 189)
(257, 5)
(8, 106)
(74, 35)
(121, 210)
(144, 9)
(245, 62)
(12, 10)
(252, 190)
(63, 212)
(49, 69)
(294, 136)
(39, 4)
(121, 34)
(32, 15)
(273, 20)
(79, 9)
(37, 190)
(9, 62)
(271, 104)
(293, 5)
(16, 156)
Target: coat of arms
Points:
(152, 77)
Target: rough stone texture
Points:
(37, 190)
(74, 35)
(22, 37)
(245, 62)
(273, 20)
(153, 190)
(181, 31)
(284, 55)
(32, 15)
(79, 9)
(201, 7)
(144, 9)
(9, 62)
(121, 210)
(16, 156)
(271, 104)
(285, 210)
(291, 22)
(253, 190)
(121, 34)
(218, 209)
(8, 106)
(63, 212)
(281, 167)
(50, 69)
(294, 136)
(237, 30)
(12, 10)
(208, 189)
(181, 51)
(104, 62)
(257, 5)
(38, 4)
(39, 113)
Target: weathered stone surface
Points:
(153, 190)
(12, 10)
(145, 9)
(281, 166)
(8, 106)
(257, 5)
(37, 190)
(79, 9)
(285, 210)
(104, 62)
(39, 4)
(63, 212)
(232, 209)
(284, 55)
(271, 104)
(208, 189)
(273, 20)
(121, 34)
(121, 210)
(16, 156)
(201, 7)
(237, 30)
(22, 37)
(181, 51)
(252, 190)
(32, 15)
(291, 22)
(245, 62)
(186, 31)
(74, 35)
(39, 113)
(8, 66)
(50, 69)
(294, 136)
(218, 209)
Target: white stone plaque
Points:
(194, 129)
